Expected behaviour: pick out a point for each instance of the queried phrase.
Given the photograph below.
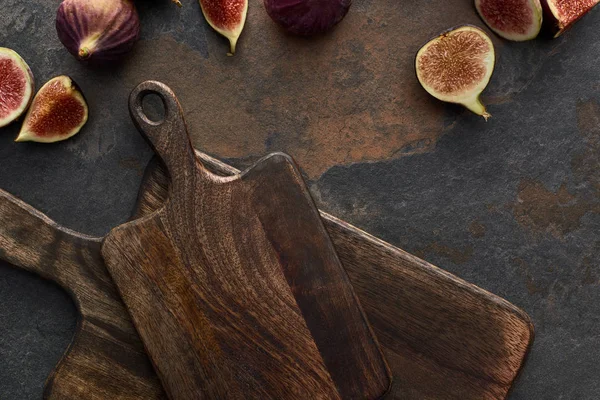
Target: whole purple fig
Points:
(307, 17)
(97, 31)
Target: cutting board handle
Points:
(169, 138)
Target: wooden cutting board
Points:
(106, 358)
(443, 337)
(234, 285)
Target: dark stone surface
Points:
(511, 205)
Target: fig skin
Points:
(560, 15)
(58, 111)
(98, 31)
(227, 17)
(27, 96)
(475, 69)
(516, 20)
(307, 17)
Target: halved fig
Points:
(562, 14)
(58, 112)
(227, 17)
(16, 86)
(516, 20)
(456, 67)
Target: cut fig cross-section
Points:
(58, 112)
(227, 17)
(456, 67)
(562, 14)
(16, 86)
(517, 20)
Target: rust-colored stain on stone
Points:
(132, 163)
(586, 165)
(542, 210)
(530, 284)
(588, 119)
(457, 256)
(477, 229)
(349, 96)
(559, 213)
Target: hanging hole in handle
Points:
(153, 107)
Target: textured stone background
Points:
(511, 205)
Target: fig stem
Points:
(232, 43)
(84, 52)
(178, 3)
(88, 46)
(478, 108)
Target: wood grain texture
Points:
(234, 285)
(443, 338)
(106, 359)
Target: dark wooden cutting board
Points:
(233, 283)
(106, 359)
(443, 337)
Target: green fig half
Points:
(58, 112)
(456, 67)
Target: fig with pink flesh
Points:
(307, 17)
(227, 17)
(560, 15)
(58, 112)
(517, 20)
(456, 67)
(16, 86)
(97, 31)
